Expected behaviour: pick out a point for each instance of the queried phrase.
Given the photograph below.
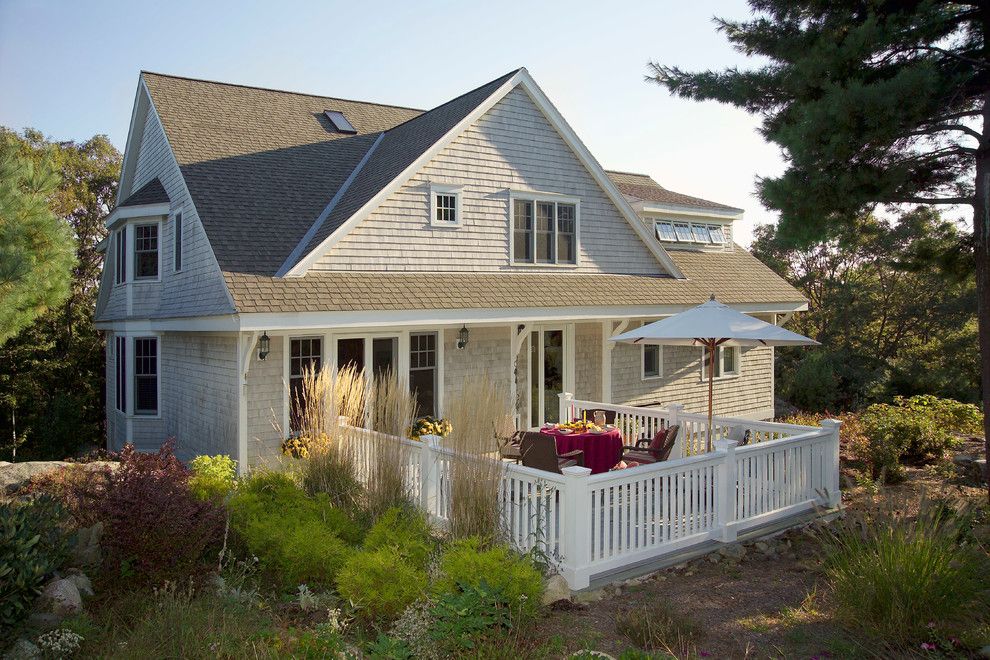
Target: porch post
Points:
(429, 483)
(834, 493)
(725, 485)
(245, 346)
(675, 415)
(576, 527)
(565, 407)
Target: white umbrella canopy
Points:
(712, 325)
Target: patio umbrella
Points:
(712, 325)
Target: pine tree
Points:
(874, 102)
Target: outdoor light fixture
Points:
(462, 337)
(264, 346)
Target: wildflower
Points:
(928, 646)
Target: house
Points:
(258, 232)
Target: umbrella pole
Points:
(712, 347)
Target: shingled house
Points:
(260, 231)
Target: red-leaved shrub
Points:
(154, 528)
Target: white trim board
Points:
(520, 79)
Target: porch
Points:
(629, 520)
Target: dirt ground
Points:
(771, 603)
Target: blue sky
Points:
(70, 69)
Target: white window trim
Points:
(443, 189)
(177, 225)
(544, 197)
(129, 374)
(287, 373)
(119, 248)
(132, 262)
(723, 376)
(642, 362)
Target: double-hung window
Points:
(120, 255)
(652, 361)
(146, 375)
(726, 362)
(544, 231)
(146, 251)
(423, 371)
(305, 357)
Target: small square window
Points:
(445, 206)
(665, 232)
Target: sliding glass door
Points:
(546, 375)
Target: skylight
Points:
(339, 121)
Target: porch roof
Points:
(736, 277)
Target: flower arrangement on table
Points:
(581, 426)
(430, 425)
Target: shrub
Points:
(955, 417)
(298, 538)
(212, 476)
(32, 545)
(460, 619)
(381, 583)
(908, 431)
(80, 488)
(893, 574)
(156, 530)
(469, 562)
(404, 530)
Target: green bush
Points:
(462, 618)
(892, 574)
(916, 431)
(469, 562)
(381, 583)
(298, 538)
(404, 530)
(955, 417)
(212, 476)
(32, 545)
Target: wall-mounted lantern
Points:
(264, 346)
(462, 337)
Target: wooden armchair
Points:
(509, 449)
(652, 451)
(539, 451)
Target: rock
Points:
(86, 550)
(963, 460)
(22, 650)
(734, 551)
(556, 590)
(713, 558)
(13, 476)
(61, 597)
(636, 581)
(978, 469)
(44, 621)
(82, 582)
(585, 597)
(762, 546)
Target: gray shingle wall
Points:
(588, 361)
(485, 356)
(199, 393)
(199, 289)
(265, 402)
(510, 147)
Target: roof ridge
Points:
(279, 91)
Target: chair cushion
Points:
(639, 457)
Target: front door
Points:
(546, 375)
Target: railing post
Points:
(429, 475)
(576, 531)
(675, 415)
(834, 494)
(725, 485)
(565, 405)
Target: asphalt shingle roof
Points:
(643, 187)
(152, 192)
(750, 281)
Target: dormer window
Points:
(700, 233)
(665, 232)
(716, 234)
(668, 231)
(445, 206)
(146, 251)
(544, 229)
(683, 232)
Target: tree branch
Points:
(941, 128)
(932, 200)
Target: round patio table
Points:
(601, 450)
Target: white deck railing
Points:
(596, 524)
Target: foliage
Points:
(32, 545)
(413, 628)
(380, 583)
(298, 447)
(953, 416)
(468, 562)
(79, 487)
(892, 573)
(885, 328)
(389, 648)
(52, 372)
(212, 476)
(59, 643)
(657, 625)
(911, 430)
(405, 531)
(462, 617)
(36, 248)
(156, 530)
(298, 538)
(430, 425)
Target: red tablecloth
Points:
(601, 450)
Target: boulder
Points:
(83, 583)
(978, 470)
(585, 597)
(985, 651)
(13, 476)
(61, 597)
(85, 551)
(42, 622)
(556, 590)
(22, 649)
(733, 551)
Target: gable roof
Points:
(750, 281)
(152, 192)
(261, 164)
(643, 187)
